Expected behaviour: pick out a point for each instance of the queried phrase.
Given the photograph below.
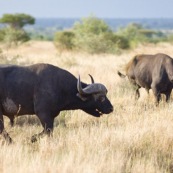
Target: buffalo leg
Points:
(12, 122)
(2, 130)
(47, 123)
(157, 97)
(147, 90)
(137, 94)
(168, 94)
(156, 94)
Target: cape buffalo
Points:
(45, 90)
(151, 72)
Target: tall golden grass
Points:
(136, 138)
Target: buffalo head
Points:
(94, 97)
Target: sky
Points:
(81, 8)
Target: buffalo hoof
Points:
(34, 139)
(8, 142)
(7, 138)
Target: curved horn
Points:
(92, 80)
(95, 88)
(79, 87)
(92, 88)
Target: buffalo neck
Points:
(73, 102)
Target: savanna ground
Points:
(136, 138)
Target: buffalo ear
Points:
(81, 97)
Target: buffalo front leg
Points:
(11, 121)
(2, 130)
(47, 123)
(137, 94)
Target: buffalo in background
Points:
(46, 90)
(151, 72)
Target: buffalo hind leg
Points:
(156, 94)
(47, 123)
(137, 93)
(3, 132)
(168, 94)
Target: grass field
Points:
(136, 138)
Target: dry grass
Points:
(136, 138)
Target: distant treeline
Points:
(45, 28)
(114, 23)
(91, 34)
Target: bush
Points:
(15, 36)
(64, 40)
(2, 34)
(120, 41)
(132, 33)
(92, 43)
(93, 35)
(170, 38)
(137, 34)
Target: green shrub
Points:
(15, 36)
(2, 34)
(93, 35)
(132, 33)
(137, 34)
(64, 40)
(92, 43)
(120, 41)
(170, 38)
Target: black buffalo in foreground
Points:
(151, 72)
(45, 90)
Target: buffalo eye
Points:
(102, 99)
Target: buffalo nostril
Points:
(111, 109)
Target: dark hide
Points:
(151, 72)
(44, 90)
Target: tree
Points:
(17, 21)
(14, 33)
